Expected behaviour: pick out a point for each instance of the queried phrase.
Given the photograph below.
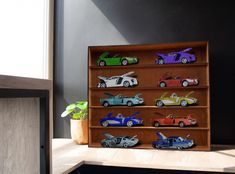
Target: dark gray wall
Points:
(79, 23)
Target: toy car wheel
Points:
(159, 103)
(129, 103)
(162, 84)
(102, 85)
(125, 145)
(124, 62)
(156, 146)
(102, 63)
(156, 124)
(184, 60)
(105, 104)
(104, 144)
(185, 83)
(179, 148)
(129, 123)
(105, 124)
(181, 124)
(160, 61)
(183, 103)
(126, 84)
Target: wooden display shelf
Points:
(148, 74)
(149, 66)
(148, 88)
(150, 127)
(149, 107)
(149, 146)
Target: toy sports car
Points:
(175, 100)
(105, 60)
(122, 141)
(168, 81)
(176, 57)
(118, 81)
(121, 100)
(120, 120)
(172, 142)
(172, 120)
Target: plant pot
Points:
(79, 131)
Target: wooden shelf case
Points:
(148, 73)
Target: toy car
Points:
(172, 120)
(176, 57)
(118, 81)
(106, 60)
(120, 120)
(121, 100)
(121, 141)
(172, 142)
(168, 81)
(175, 100)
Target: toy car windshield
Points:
(174, 95)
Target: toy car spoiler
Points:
(103, 55)
(191, 92)
(133, 115)
(186, 50)
(109, 136)
(137, 95)
(128, 74)
(161, 136)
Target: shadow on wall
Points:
(100, 22)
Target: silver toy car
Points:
(122, 141)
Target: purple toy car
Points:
(176, 57)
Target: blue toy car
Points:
(120, 120)
(173, 142)
(121, 100)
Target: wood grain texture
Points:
(19, 135)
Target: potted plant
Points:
(78, 122)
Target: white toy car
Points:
(118, 81)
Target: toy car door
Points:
(111, 82)
(174, 98)
(118, 100)
(115, 60)
(169, 120)
(119, 81)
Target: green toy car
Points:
(106, 60)
(175, 100)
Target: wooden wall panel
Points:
(19, 136)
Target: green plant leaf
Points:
(82, 105)
(76, 116)
(71, 106)
(77, 110)
(66, 112)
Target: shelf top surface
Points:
(68, 156)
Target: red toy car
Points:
(177, 81)
(172, 120)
